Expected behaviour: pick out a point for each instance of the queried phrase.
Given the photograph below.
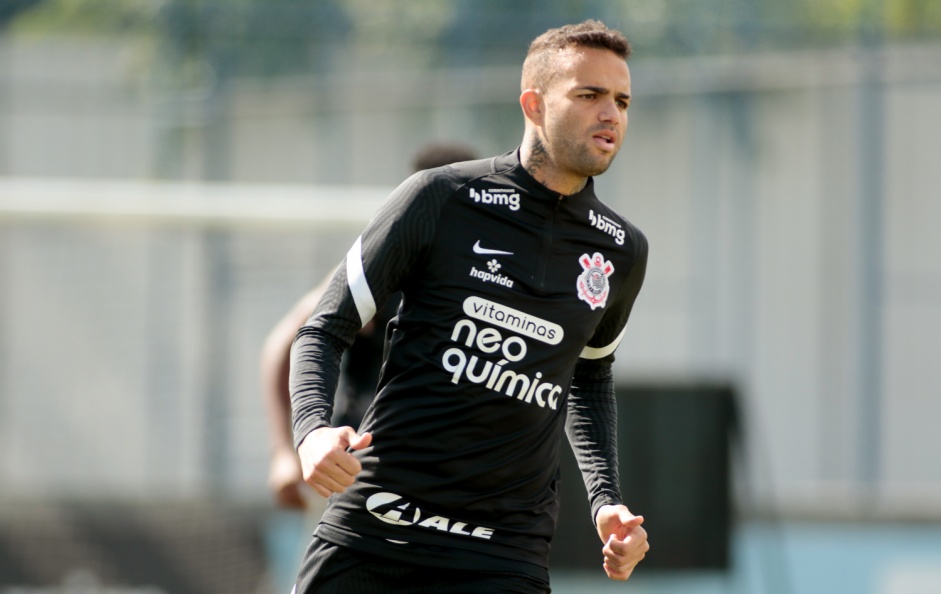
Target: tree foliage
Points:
(276, 37)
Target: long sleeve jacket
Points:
(514, 300)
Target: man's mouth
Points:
(605, 139)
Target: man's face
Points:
(586, 111)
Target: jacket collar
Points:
(509, 163)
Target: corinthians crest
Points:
(593, 283)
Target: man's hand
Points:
(625, 541)
(325, 463)
(285, 479)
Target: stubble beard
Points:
(581, 159)
(575, 158)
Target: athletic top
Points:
(514, 300)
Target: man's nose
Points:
(609, 111)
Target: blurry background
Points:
(174, 175)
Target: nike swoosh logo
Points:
(488, 252)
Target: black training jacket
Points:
(514, 299)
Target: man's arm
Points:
(284, 472)
(320, 458)
(374, 268)
(591, 426)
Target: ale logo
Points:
(392, 509)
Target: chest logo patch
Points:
(592, 283)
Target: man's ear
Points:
(531, 101)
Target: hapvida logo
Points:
(508, 198)
(492, 277)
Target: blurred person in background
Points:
(517, 284)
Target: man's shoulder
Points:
(605, 217)
(464, 172)
(458, 174)
(425, 192)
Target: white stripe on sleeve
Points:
(356, 277)
(597, 353)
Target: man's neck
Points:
(538, 163)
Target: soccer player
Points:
(517, 284)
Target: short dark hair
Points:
(439, 154)
(537, 67)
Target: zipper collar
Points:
(511, 165)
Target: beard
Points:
(578, 157)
